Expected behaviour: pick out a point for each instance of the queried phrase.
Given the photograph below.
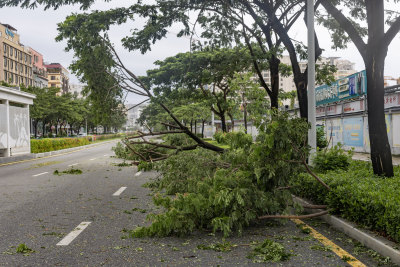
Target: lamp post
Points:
(312, 133)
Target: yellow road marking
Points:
(66, 153)
(335, 248)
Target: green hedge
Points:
(357, 195)
(108, 136)
(51, 144)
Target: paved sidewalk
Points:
(367, 157)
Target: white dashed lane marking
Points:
(138, 173)
(93, 159)
(72, 164)
(39, 174)
(71, 236)
(119, 191)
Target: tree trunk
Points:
(191, 125)
(195, 126)
(44, 128)
(232, 122)
(274, 70)
(300, 81)
(202, 128)
(245, 117)
(223, 122)
(381, 155)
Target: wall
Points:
(347, 123)
(3, 127)
(19, 130)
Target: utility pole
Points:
(312, 133)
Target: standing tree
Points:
(208, 72)
(373, 52)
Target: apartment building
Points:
(344, 68)
(39, 70)
(58, 76)
(16, 65)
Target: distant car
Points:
(82, 134)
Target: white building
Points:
(14, 122)
(76, 89)
(344, 68)
(133, 113)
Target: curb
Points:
(368, 239)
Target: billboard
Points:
(352, 86)
(353, 131)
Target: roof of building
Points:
(54, 66)
(9, 26)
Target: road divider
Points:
(119, 191)
(71, 236)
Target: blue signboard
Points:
(10, 33)
(349, 87)
(353, 132)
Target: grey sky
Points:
(38, 29)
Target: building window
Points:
(4, 48)
(5, 62)
(11, 51)
(53, 78)
(12, 64)
(5, 76)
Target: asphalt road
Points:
(41, 210)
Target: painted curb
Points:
(370, 240)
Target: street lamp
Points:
(312, 133)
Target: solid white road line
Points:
(105, 155)
(138, 173)
(73, 164)
(39, 174)
(71, 236)
(93, 159)
(119, 191)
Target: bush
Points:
(321, 138)
(52, 144)
(108, 136)
(357, 195)
(180, 139)
(332, 159)
(220, 137)
(233, 139)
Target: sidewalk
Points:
(367, 157)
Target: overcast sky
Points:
(38, 29)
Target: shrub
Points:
(180, 139)
(108, 136)
(332, 159)
(220, 137)
(321, 138)
(52, 144)
(357, 195)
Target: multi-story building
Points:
(389, 80)
(132, 114)
(76, 89)
(16, 65)
(58, 77)
(39, 70)
(344, 68)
